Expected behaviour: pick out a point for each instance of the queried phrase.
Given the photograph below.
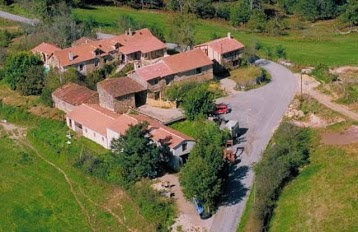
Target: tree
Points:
(136, 154)
(257, 20)
(240, 13)
(198, 102)
(16, 67)
(203, 175)
(350, 15)
(32, 82)
(182, 30)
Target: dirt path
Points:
(309, 85)
(18, 18)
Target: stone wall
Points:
(105, 100)
(124, 103)
(62, 105)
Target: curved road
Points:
(260, 112)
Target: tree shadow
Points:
(235, 191)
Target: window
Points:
(105, 60)
(96, 63)
(155, 81)
(198, 70)
(102, 139)
(156, 95)
(184, 146)
(235, 63)
(94, 134)
(81, 67)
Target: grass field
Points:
(324, 196)
(316, 43)
(42, 190)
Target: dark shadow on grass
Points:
(235, 191)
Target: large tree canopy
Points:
(202, 176)
(135, 153)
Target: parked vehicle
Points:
(200, 209)
(233, 127)
(221, 108)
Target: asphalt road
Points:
(18, 18)
(259, 113)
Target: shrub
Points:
(287, 152)
(322, 74)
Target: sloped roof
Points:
(224, 45)
(82, 40)
(74, 94)
(141, 40)
(174, 64)
(149, 72)
(93, 117)
(121, 86)
(187, 61)
(158, 131)
(46, 48)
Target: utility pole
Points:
(301, 86)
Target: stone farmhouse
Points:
(67, 97)
(102, 126)
(87, 55)
(121, 94)
(225, 52)
(192, 65)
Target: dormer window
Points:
(97, 52)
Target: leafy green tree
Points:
(32, 82)
(350, 15)
(202, 176)
(5, 38)
(182, 30)
(257, 20)
(198, 102)
(240, 13)
(135, 153)
(17, 65)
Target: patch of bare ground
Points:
(309, 113)
(348, 136)
(188, 219)
(47, 112)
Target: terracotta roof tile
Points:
(122, 86)
(74, 94)
(149, 72)
(187, 61)
(175, 64)
(46, 48)
(82, 40)
(158, 130)
(224, 45)
(93, 117)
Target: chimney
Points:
(130, 31)
(70, 56)
(229, 35)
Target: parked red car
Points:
(221, 108)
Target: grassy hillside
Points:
(316, 43)
(324, 195)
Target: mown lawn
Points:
(316, 44)
(324, 196)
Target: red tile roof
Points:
(82, 53)
(158, 130)
(46, 48)
(175, 64)
(93, 117)
(82, 40)
(187, 61)
(121, 86)
(224, 45)
(141, 40)
(159, 69)
(74, 94)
